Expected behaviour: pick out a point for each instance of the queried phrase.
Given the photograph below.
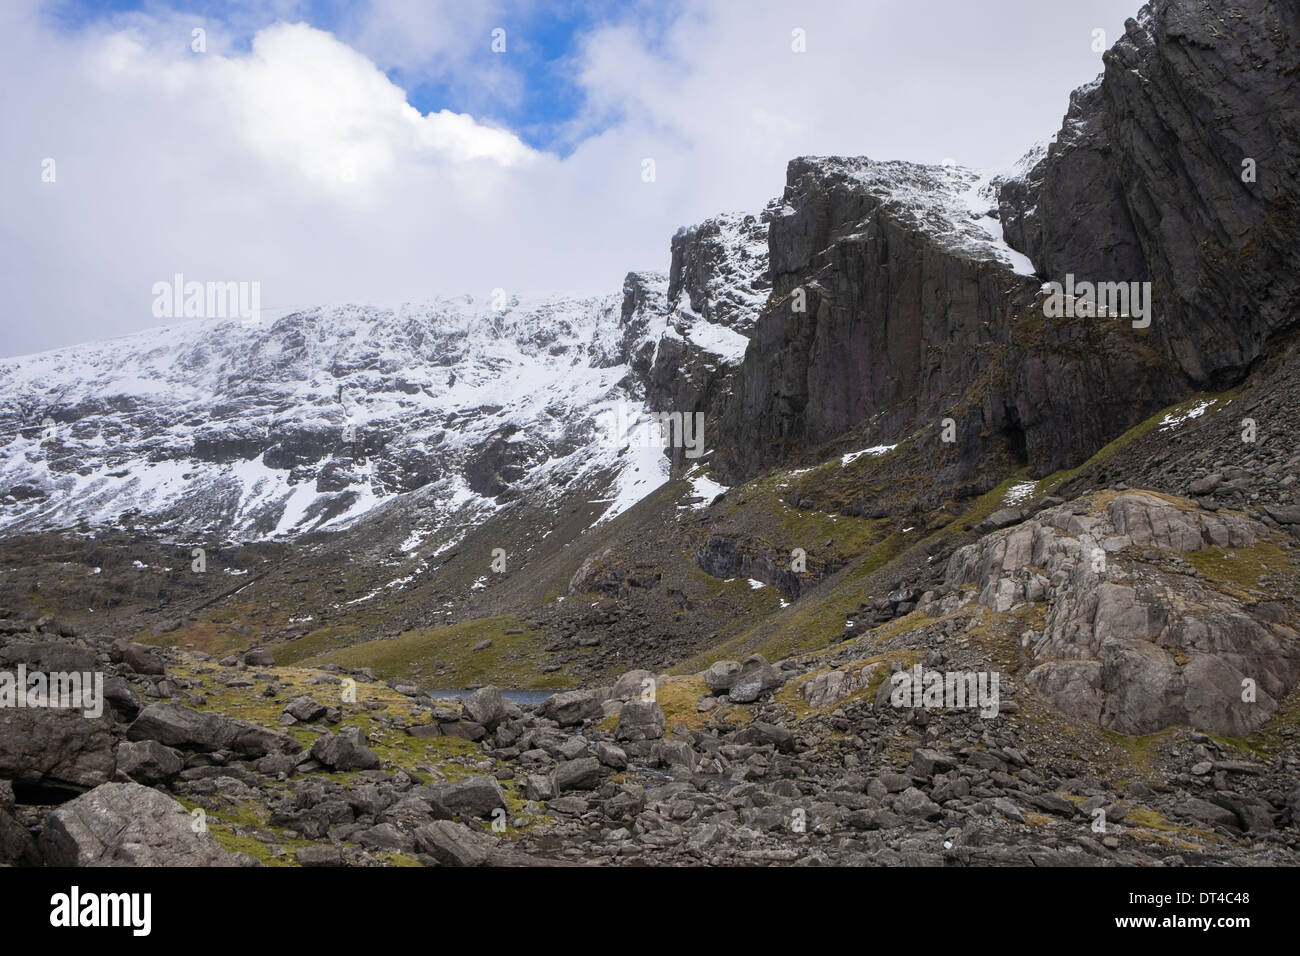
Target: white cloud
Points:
(299, 163)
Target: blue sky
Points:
(542, 40)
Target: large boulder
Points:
(640, 720)
(755, 679)
(580, 774)
(452, 844)
(187, 729)
(574, 706)
(122, 698)
(305, 709)
(126, 824)
(485, 706)
(149, 762)
(139, 657)
(345, 751)
(721, 675)
(632, 684)
(56, 747)
(477, 796)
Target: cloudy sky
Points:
(389, 152)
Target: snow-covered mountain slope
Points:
(307, 423)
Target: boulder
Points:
(320, 856)
(305, 709)
(611, 756)
(580, 774)
(452, 844)
(474, 796)
(122, 698)
(574, 706)
(539, 786)
(139, 657)
(640, 720)
(631, 684)
(127, 824)
(149, 762)
(720, 676)
(926, 763)
(187, 729)
(57, 747)
(345, 751)
(465, 729)
(756, 678)
(675, 754)
(485, 706)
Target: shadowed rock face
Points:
(1076, 180)
(911, 318)
(1145, 179)
(888, 302)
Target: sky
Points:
(382, 153)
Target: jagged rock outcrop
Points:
(1129, 645)
(691, 327)
(720, 266)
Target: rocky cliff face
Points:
(702, 315)
(918, 310)
(720, 266)
(1181, 165)
(892, 291)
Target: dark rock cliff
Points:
(915, 312)
(1150, 178)
(887, 303)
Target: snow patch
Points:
(875, 452)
